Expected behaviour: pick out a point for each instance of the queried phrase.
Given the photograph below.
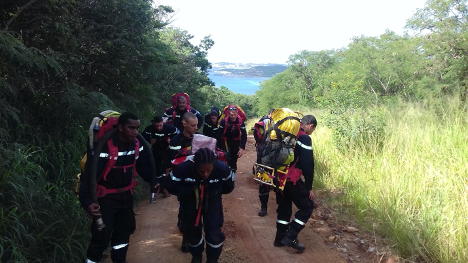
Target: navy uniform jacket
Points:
(161, 144)
(304, 156)
(117, 178)
(178, 117)
(184, 182)
(232, 132)
(178, 143)
(210, 129)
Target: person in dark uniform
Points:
(232, 137)
(297, 191)
(199, 185)
(180, 110)
(210, 127)
(115, 190)
(177, 148)
(264, 189)
(159, 135)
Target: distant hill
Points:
(249, 70)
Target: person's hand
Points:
(153, 141)
(168, 140)
(156, 189)
(93, 210)
(241, 151)
(311, 195)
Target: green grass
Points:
(412, 183)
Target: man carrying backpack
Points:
(297, 191)
(264, 189)
(232, 136)
(199, 185)
(121, 158)
(159, 135)
(178, 148)
(174, 114)
(210, 127)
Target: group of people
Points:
(198, 183)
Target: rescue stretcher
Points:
(270, 176)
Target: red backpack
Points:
(198, 141)
(100, 126)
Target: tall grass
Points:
(40, 217)
(412, 183)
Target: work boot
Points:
(196, 259)
(280, 233)
(290, 240)
(185, 244)
(262, 212)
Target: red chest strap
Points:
(112, 159)
(226, 124)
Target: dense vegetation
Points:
(392, 114)
(61, 63)
(392, 144)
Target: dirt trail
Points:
(249, 238)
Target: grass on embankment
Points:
(410, 185)
(413, 185)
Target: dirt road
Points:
(249, 238)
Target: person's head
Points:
(308, 124)
(233, 113)
(182, 103)
(213, 117)
(158, 123)
(128, 126)
(190, 123)
(204, 160)
(270, 112)
(215, 109)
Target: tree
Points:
(443, 27)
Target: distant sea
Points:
(243, 85)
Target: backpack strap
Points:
(174, 112)
(226, 124)
(110, 164)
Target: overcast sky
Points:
(269, 31)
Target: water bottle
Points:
(100, 224)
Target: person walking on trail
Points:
(297, 191)
(232, 137)
(210, 127)
(178, 148)
(200, 184)
(180, 110)
(264, 189)
(159, 135)
(114, 189)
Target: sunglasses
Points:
(233, 108)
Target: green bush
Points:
(356, 127)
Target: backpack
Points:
(100, 126)
(174, 98)
(259, 130)
(275, 151)
(199, 141)
(240, 113)
(240, 117)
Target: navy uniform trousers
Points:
(299, 195)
